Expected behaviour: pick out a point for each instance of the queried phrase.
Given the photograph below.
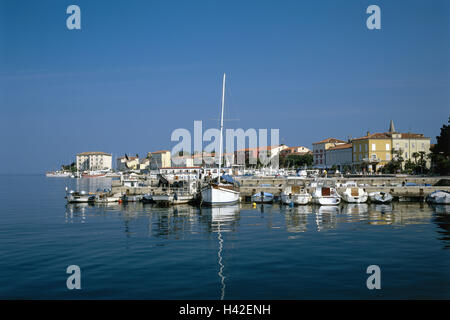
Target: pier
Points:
(396, 186)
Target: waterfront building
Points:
(339, 156)
(300, 150)
(252, 154)
(160, 159)
(319, 151)
(372, 151)
(182, 161)
(93, 161)
(409, 145)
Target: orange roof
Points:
(341, 146)
(376, 135)
(258, 148)
(329, 140)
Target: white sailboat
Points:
(216, 193)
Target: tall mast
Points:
(221, 125)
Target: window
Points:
(406, 144)
(359, 148)
(396, 146)
(374, 147)
(406, 155)
(387, 146)
(366, 146)
(413, 145)
(388, 156)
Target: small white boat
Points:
(262, 197)
(354, 195)
(439, 197)
(79, 197)
(326, 196)
(58, 174)
(295, 195)
(106, 198)
(380, 197)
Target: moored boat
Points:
(58, 174)
(354, 195)
(326, 196)
(106, 198)
(439, 197)
(295, 195)
(93, 174)
(79, 197)
(225, 190)
(380, 197)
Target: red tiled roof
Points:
(330, 140)
(376, 135)
(341, 146)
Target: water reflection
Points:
(326, 217)
(296, 218)
(223, 219)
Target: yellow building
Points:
(372, 151)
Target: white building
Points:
(94, 161)
(341, 155)
(319, 151)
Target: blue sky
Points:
(137, 70)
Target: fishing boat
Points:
(295, 195)
(223, 190)
(326, 196)
(262, 197)
(79, 197)
(439, 197)
(354, 195)
(380, 197)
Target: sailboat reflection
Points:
(223, 219)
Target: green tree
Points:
(441, 151)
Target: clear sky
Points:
(137, 70)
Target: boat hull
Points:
(296, 199)
(214, 195)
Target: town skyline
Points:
(131, 76)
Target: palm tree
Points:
(415, 155)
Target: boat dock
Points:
(403, 188)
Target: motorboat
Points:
(262, 197)
(295, 195)
(354, 195)
(326, 196)
(93, 174)
(380, 197)
(79, 197)
(439, 197)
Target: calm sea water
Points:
(139, 251)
